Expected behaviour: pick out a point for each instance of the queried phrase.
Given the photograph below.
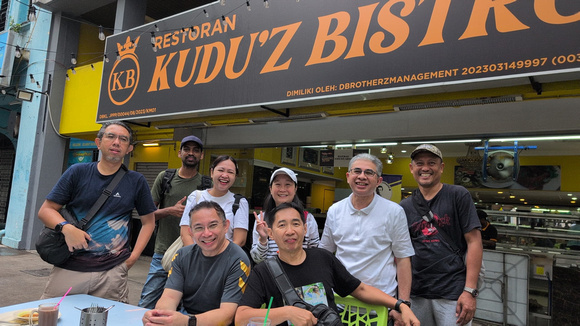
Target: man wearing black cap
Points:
(170, 192)
(444, 287)
(488, 231)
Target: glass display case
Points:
(542, 231)
(548, 239)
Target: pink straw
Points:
(62, 298)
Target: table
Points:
(120, 315)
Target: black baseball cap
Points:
(193, 139)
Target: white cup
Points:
(258, 321)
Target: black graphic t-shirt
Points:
(437, 271)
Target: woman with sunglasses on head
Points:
(223, 172)
(283, 186)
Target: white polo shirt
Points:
(367, 241)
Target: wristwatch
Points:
(398, 304)
(58, 227)
(192, 320)
(474, 292)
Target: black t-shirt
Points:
(437, 271)
(489, 232)
(320, 270)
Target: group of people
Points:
(377, 251)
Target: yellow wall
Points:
(79, 107)
(322, 196)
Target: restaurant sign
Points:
(242, 54)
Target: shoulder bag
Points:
(169, 254)
(425, 212)
(51, 245)
(326, 316)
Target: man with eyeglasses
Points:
(101, 254)
(369, 234)
(170, 191)
(207, 278)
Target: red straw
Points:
(62, 298)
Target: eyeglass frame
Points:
(211, 227)
(366, 172)
(112, 136)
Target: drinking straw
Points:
(268, 311)
(62, 298)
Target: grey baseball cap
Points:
(427, 148)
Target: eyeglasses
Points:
(200, 228)
(368, 172)
(111, 136)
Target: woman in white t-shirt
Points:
(223, 173)
(283, 186)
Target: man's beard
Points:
(194, 165)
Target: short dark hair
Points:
(271, 215)
(208, 205)
(481, 214)
(222, 158)
(105, 125)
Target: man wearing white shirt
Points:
(368, 232)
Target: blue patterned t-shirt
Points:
(79, 188)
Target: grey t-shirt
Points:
(206, 282)
(168, 229)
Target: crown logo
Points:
(129, 46)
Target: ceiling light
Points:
(536, 138)
(441, 141)
(521, 199)
(500, 192)
(383, 150)
(574, 198)
(150, 144)
(375, 144)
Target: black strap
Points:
(166, 183)
(104, 196)
(282, 281)
(424, 211)
(206, 183)
(236, 204)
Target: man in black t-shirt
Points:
(307, 270)
(444, 288)
(488, 231)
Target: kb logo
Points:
(124, 77)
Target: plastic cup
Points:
(258, 321)
(47, 314)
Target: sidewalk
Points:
(23, 276)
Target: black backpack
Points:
(206, 182)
